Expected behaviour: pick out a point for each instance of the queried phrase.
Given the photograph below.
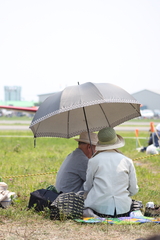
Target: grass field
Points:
(25, 169)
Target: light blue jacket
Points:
(110, 181)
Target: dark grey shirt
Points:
(72, 173)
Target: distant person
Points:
(72, 173)
(154, 139)
(111, 178)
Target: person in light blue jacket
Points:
(111, 177)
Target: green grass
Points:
(13, 118)
(19, 160)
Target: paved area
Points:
(14, 127)
(28, 122)
(18, 125)
(15, 122)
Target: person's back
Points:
(114, 181)
(111, 177)
(72, 173)
(157, 136)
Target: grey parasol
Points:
(86, 107)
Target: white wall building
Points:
(149, 99)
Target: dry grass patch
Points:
(47, 229)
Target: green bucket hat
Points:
(108, 139)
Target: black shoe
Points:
(143, 149)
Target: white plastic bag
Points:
(5, 195)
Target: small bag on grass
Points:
(6, 197)
(42, 198)
(67, 205)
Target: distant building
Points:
(12, 93)
(148, 99)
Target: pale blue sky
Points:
(50, 44)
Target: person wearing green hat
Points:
(111, 178)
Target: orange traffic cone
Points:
(152, 129)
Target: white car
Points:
(157, 113)
(147, 113)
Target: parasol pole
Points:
(87, 127)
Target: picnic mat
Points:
(121, 220)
